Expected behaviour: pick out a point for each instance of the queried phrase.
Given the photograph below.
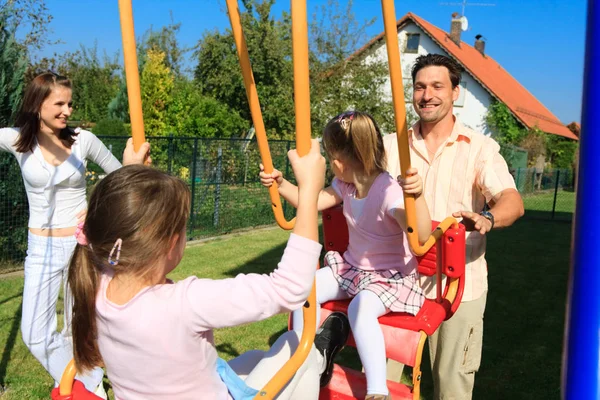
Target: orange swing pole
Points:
(257, 119)
(137, 128)
(132, 74)
(302, 110)
(391, 38)
(67, 379)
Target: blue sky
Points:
(539, 42)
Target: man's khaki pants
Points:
(455, 351)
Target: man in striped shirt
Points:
(462, 170)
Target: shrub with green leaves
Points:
(13, 202)
(110, 127)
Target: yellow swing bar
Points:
(137, 127)
(132, 74)
(257, 119)
(302, 111)
(391, 38)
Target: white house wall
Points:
(476, 98)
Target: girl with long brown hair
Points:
(154, 336)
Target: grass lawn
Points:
(235, 207)
(247, 207)
(528, 268)
(540, 205)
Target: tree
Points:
(337, 81)
(30, 20)
(194, 114)
(505, 128)
(94, 79)
(95, 82)
(110, 127)
(13, 65)
(13, 203)
(218, 72)
(156, 85)
(340, 80)
(166, 41)
(352, 85)
(561, 151)
(118, 107)
(411, 115)
(535, 144)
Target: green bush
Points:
(110, 127)
(561, 151)
(505, 128)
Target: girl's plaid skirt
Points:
(397, 292)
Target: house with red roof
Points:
(483, 79)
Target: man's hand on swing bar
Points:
(474, 222)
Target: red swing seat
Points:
(404, 333)
(78, 392)
(71, 388)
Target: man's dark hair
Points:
(438, 60)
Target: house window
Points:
(460, 102)
(412, 43)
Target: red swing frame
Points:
(404, 334)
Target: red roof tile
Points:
(495, 79)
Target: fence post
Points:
(218, 187)
(555, 191)
(287, 170)
(518, 176)
(247, 157)
(193, 208)
(170, 153)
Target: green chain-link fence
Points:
(223, 178)
(226, 194)
(548, 194)
(222, 175)
(13, 214)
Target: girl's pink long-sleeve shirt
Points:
(159, 345)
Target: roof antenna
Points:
(464, 4)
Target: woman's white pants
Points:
(46, 269)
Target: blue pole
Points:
(581, 357)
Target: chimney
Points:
(455, 28)
(480, 44)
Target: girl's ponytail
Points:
(84, 281)
(367, 144)
(355, 137)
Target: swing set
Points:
(442, 254)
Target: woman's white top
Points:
(57, 194)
